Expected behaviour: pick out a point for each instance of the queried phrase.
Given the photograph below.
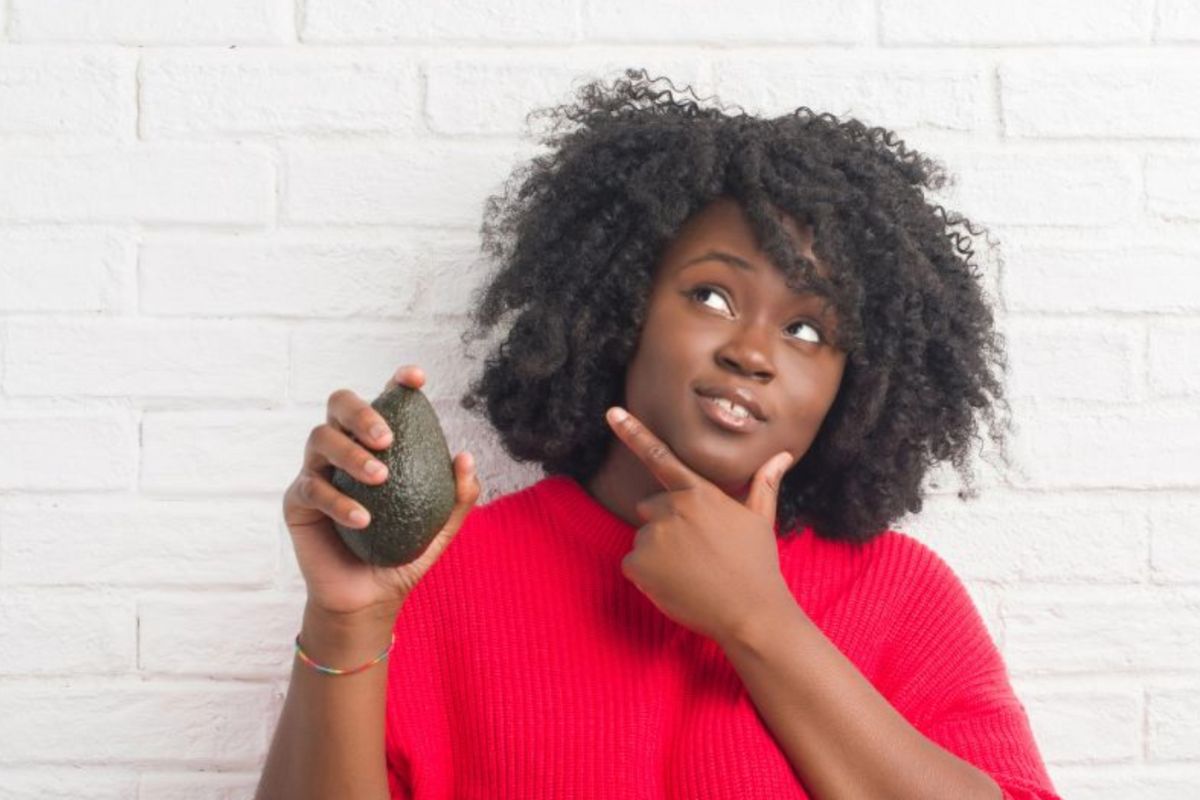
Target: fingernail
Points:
(617, 414)
(379, 431)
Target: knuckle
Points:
(657, 451)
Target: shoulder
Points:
(921, 576)
(892, 558)
(499, 522)
(504, 509)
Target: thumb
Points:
(764, 489)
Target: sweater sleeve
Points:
(958, 693)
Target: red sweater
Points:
(527, 666)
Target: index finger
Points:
(652, 451)
(410, 375)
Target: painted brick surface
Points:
(153, 22)
(215, 214)
(1097, 94)
(980, 22)
(516, 21)
(272, 92)
(86, 94)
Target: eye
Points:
(812, 334)
(702, 289)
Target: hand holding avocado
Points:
(334, 482)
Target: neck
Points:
(623, 480)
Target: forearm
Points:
(330, 738)
(841, 736)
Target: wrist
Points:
(345, 640)
(754, 629)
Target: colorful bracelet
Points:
(331, 671)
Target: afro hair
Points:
(577, 233)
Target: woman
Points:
(703, 598)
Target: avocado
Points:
(412, 505)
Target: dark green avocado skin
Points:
(413, 504)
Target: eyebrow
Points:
(743, 264)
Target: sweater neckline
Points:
(572, 504)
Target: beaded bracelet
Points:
(331, 671)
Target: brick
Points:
(192, 635)
(115, 541)
(61, 633)
(103, 448)
(68, 782)
(152, 184)
(1040, 188)
(1106, 95)
(1174, 724)
(237, 277)
(449, 269)
(199, 785)
(1088, 278)
(275, 92)
(909, 91)
(815, 21)
(1143, 781)
(1175, 358)
(1128, 448)
(534, 21)
(1178, 21)
(224, 451)
(64, 94)
(56, 270)
(1019, 22)
(492, 96)
(1171, 187)
(206, 724)
(153, 21)
(1005, 536)
(422, 183)
(1086, 726)
(1094, 360)
(1174, 543)
(1126, 629)
(139, 357)
(363, 357)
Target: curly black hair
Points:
(577, 233)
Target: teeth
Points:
(734, 408)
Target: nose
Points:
(748, 352)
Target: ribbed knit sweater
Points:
(527, 666)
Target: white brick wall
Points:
(213, 214)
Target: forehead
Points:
(722, 226)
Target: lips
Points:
(734, 394)
(723, 418)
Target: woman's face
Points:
(711, 323)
